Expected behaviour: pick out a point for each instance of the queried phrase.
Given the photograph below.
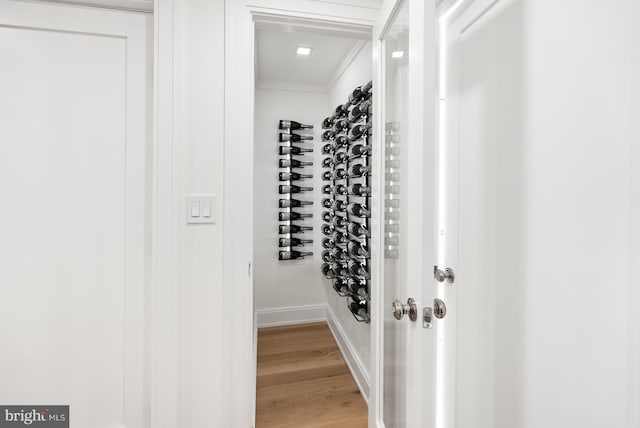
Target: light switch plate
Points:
(201, 209)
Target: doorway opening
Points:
(313, 354)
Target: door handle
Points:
(400, 309)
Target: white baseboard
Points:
(291, 315)
(354, 363)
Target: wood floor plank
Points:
(289, 367)
(303, 381)
(276, 340)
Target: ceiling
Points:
(277, 64)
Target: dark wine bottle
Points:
(359, 110)
(327, 162)
(359, 93)
(287, 176)
(293, 242)
(341, 110)
(340, 238)
(340, 157)
(358, 229)
(359, 269)
(292, 124)
(358, 288)
(293, 163)
(340, 286)
(340, 189)
(288, 203)
(357, 249)
(359, 210)
(327, 256)
(327, 216)
(293, 216)
(359, 190)
(359, 170)
(341, 141)
(359, 309)
(328, 243)
(340, 125)
(359, 150)
(327, 270)
(359, 130)
(339, 205)
(340, 174)
(340, 254)
(339, 222)
(292, 228)
(284, 189)
(327, 229)
(293, 137)
(327, 123)
(292, 255)
(327, 175)
(327, 203)
(327, 189)
(328, 135)
(293, 150)
(328, 148)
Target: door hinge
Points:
(443, 275)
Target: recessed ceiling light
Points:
(303, 51)
(397, 54)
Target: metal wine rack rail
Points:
(290, 163)
(346, 201)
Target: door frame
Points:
(238, 213)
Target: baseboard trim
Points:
(291, 315)
(354, 363)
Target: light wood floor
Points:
(303, 381)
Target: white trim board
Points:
(291, 315)
(357, 369)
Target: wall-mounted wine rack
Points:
(346, 200)
(292, 164)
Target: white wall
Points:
(280, 286)
(199, 165)
(359, 72)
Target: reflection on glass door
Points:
(396, 74)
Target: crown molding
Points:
(145, 6)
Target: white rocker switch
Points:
(201, 209)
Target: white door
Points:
(74, 137)
(407, 211)
(481, 221)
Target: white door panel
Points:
(73, 127)
(407, 210)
